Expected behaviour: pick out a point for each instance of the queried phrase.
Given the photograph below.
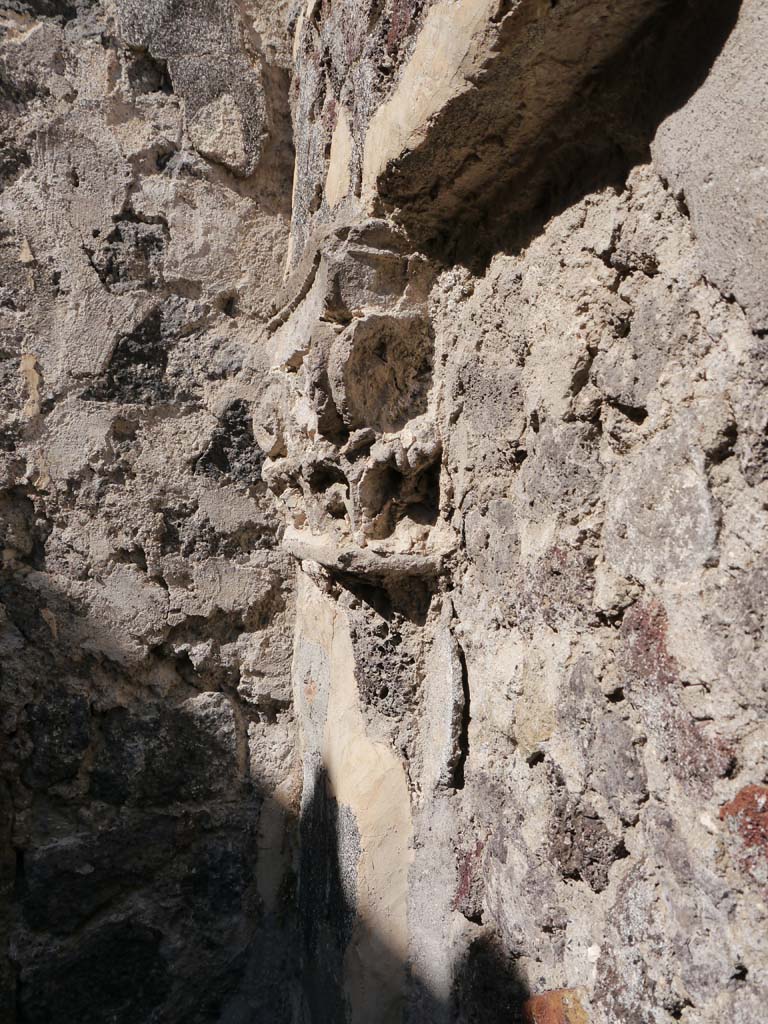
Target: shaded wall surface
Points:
(384, 477)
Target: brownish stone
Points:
(468, 895)
(561, 1006)
(652, 677)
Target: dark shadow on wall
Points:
(130, 852)
(325, 900)
(487, 988)
(605, 130)
(129, 837)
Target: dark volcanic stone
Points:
(583, 846)
(232, 451)
(136, 371)
(60, 730)
(162, 755)
(116, 974)
(66, 882)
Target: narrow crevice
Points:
(459, 771)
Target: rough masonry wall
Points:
(385, 468)
(147, 607)
(516, 419)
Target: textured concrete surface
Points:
(383, 475)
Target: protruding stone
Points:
(218, 133)
(338, 179)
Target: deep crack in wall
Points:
(384, 469)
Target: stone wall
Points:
(147, 607)
(384, 474)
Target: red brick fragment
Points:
(561, 1006)
(747, 817)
